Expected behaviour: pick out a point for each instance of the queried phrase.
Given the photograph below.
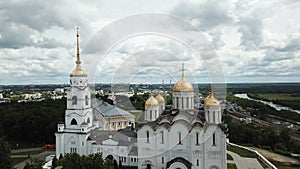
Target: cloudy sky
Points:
(254, 41)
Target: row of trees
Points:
(75, 161)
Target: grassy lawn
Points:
(229, 157)
(231, 166)
(241, 152)
(262, 163)
(286, 167)
(18, 160)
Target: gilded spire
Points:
(77, 48)
(78, 70)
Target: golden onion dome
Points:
(210, 100)
(78, 71)
(183, 86)
(159, 98)
(151, 101)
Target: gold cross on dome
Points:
(182, 69)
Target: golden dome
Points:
(159, 98)
(78, 71)
(183, 86)
(210, 100)
(151, 101)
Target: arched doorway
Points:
(109, 157)
(179, 163)
(147, 165)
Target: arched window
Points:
(73, 122)
(88, 120)
(187, 102)
(162, 160)
(197, 162)
(86, 100)
(214, 139)
(74, 100)
(179, 138)
(162, 137)
(207, 116)
(148, 140)
(177, 102)
(150, 114)
(197, 138)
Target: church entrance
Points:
(147, 165)
(179, 163)
(109, 157)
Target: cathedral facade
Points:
(180, 138)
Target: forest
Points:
(263, 137)
(30, 124)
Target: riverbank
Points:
(267, 108)
(291, 101)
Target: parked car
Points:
(49, 146)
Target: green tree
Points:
(5, 161)
(92, 161)
(34, 164)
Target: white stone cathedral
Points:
(180, 138)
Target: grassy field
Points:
(229, 157)
(231, 166)
(17, 160)
(241, 152)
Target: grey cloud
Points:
(208, 14)
(38, 15)
(251, 29)
(20, 21)
(293, 45)
(15, 36)
(274, 55)
(216, 40)
(51, 43)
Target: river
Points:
(275, 106)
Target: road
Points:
(26, 149)
(245, 163)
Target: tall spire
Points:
(77, 48)
(78, 70)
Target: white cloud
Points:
(255, 40)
